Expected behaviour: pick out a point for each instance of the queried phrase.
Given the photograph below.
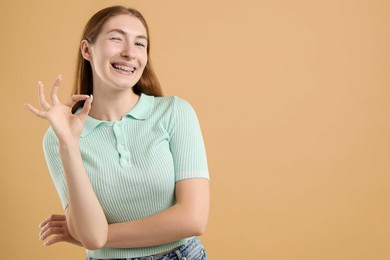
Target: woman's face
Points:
(119, 54)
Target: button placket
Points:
(124, 155)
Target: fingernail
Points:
(91, 98)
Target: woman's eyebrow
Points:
(124, 33)
(117, 31)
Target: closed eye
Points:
(140, 44)
(115, 39)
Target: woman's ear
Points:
(85, 50)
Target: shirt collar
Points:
(141, 111)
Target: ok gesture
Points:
(67, 126)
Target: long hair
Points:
(148, 83)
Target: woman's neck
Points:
(114, 106)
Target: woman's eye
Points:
(116, 39)
(140, 44)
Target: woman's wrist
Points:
(68, 146)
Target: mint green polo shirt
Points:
(133, 163)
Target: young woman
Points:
(129, 165)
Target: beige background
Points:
(293, 99)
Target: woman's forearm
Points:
(86, 220)
(188, 217)
(168, 226)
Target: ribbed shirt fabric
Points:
(133, 163)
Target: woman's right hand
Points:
(67, 126)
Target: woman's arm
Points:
(188, 217)
(85, 216)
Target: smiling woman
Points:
(129, 165)
(118, 57)
(148, 82)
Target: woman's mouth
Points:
(124, 68)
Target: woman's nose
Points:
(128, 51)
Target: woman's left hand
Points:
(56, 229)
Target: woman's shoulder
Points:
(172, 107)
(50, 138)
(175, 106)
(50, 142)
(172, 102)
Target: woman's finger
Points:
(37, 112)
(51, 224)
(61, 238)
(41, 96)
(54, 90)
(51, 231)
(74, 99)
(54, 239)
(53, 217)
(87, 106)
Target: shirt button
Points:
(183, 258)
(125, 161)
(122, 147)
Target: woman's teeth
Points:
(123, 68)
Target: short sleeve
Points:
(54, 164)
(186, 143)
